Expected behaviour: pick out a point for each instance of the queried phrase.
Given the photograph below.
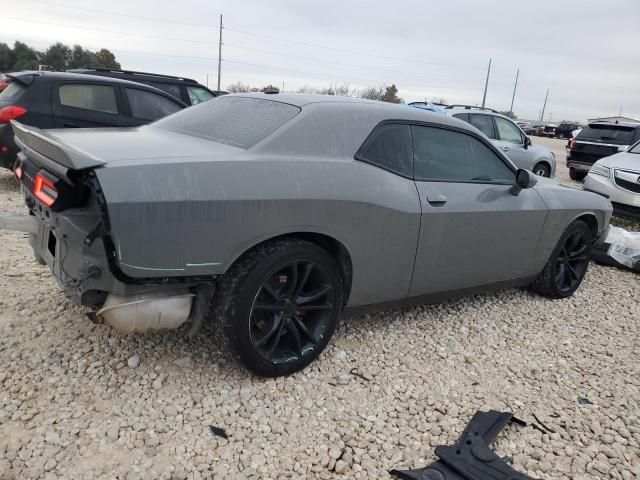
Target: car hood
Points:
(623, 160)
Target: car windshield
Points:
(621, 134)
(635, 149)
(238, 121)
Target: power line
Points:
(111, 31)
(326, 47)
(137, 17)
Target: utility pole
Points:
(514, 90)
(544, 106)
(220, 53)
(486, 84)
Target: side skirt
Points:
(433, 298)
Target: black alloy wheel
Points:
(572, 262)
(292, 311)
(567, 266)
(279, 305)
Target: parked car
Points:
(598, 140)
(432, 107)
(529, 128)
(618, 177)
(71, 100)
(285, 209)
(509, 138)
(184, 89)
(548, 130)
(566, 129)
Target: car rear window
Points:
(619, 134)
(12, 92)
(238, 121)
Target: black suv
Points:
(565, 129)
(68, 100)
(598, 140)
(185, 89)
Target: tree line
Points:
(384, 93)
(57, 57)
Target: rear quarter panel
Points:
(197, 216)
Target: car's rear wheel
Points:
(279, 305)
(577, 174)
(567, 266)
(542, 170)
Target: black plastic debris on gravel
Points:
(218, 432)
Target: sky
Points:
(584, 51)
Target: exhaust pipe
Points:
(146, 311)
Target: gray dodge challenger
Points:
(274, 213)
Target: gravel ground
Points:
(80, 401)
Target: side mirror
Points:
(524, 179)
(527, 142)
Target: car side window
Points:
(389, 147)
(99, 98)
(462, 116)
(484, 124)
(199, 95)
(446, 155)
(149, 105)
(173, 90)
(508, 131)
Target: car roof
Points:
(616, 124)
(81, 76)
(453, 111)
(112, 73)
(384, 110)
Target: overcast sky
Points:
(585, 51)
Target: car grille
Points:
(627, 185)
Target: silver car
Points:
(273, 213)
(508, 137)
(618, 177)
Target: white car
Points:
(618, 177)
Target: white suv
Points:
(508, 137)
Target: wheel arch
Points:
(334, 247)
(592, 222)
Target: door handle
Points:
(69, 125)
(436, 199)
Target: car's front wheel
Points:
(567, 266)
(279, 305)
(542, 170)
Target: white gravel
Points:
(81, 401)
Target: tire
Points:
(262, 306)
(577, 174)
(569, 261)
(542, 170)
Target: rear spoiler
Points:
(43, 147)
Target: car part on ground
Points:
(184, 89)
(619, 248)
(618, 178)
(506, 135)
(67, 100)
(598, 140)
(260, 209)
(471, 457)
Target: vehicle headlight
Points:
(599, 170)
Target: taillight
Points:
(11, 112)
(572, 144)
(45, 190)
